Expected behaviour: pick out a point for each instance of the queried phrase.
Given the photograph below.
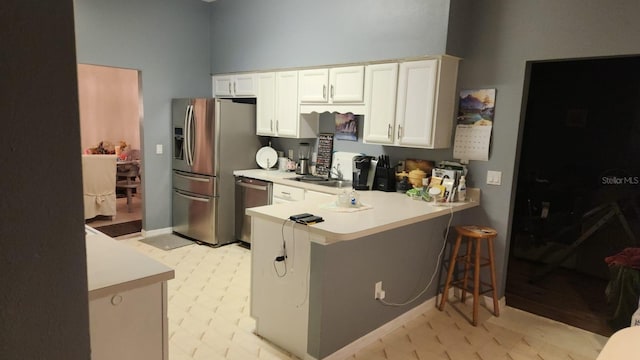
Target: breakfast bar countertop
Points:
(382, 211)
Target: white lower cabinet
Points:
(318, 196)
(424, 105)
(283, 193)
(130, 325)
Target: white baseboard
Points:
(383, 330)
(156, 232)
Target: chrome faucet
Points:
(335, 171)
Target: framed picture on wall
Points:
(346, 127)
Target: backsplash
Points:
(327, 125)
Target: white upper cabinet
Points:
(424, 105)
(286, 107)
(380, 95)
(277, 107)
(334, 85)
(266, 104)
(235, 85)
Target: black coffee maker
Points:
(361, 166)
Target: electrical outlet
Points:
(378, 292)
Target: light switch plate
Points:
(494, 177)
(159, 149)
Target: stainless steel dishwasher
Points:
(249, 193)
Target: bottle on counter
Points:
(462, 189)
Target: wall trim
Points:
(370, 338)
(383, 330)
(156, 232)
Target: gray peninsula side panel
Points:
(342, 307)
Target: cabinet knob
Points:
(271, 125)
(324, 92)
(229, 88)
(234, 88)
(399, 131)
(277, 128)
(389, 132)
(116, 300)
(332, 92)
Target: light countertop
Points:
(113, 267)
(387, 210)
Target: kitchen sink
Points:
(323, 181)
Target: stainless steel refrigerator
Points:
(211, 138)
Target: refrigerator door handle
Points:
(187, 135)
(190, 134)
(251, 186)
(193, 178)
(194, 198)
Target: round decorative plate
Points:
(266, 157)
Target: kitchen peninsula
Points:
(312, 289)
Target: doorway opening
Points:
(110, 104)
(577, 200)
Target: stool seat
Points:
(474, 235)
(476, 231)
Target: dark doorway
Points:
(577, 194)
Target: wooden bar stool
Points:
(473, 235)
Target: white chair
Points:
(99, 185)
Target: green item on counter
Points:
(418, 193)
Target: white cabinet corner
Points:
(235, 85)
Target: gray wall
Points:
(43, 302)
(270, 34)
(494, 38)
(342, 277)
(168, 41)
(266, 34)
(514, 32)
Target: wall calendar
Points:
(475, 122)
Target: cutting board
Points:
(343, 161)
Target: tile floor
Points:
(209, 319)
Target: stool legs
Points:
(476, 283)
(465, 278)
(472, 256)
(492, 266)
(452, 264)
